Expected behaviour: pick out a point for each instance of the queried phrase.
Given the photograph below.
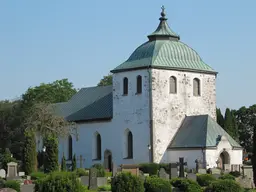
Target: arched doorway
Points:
(223, 159)
(108, 160)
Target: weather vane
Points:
(162, 8)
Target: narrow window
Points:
(130, 145)
(173, 84)
(70, 147)
(98, 146)
(139, 84)
(196, 87)
(125, 86)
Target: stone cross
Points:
(181, 164)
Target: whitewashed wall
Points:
(189, 156)
(169, 110)
(130, 112)
(236, 155)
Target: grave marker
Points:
(191, 176)
(93, 179)
(173, 170)
(12, 169)
(2, 173)
(162, 174)
(181, 164)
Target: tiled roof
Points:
(88, 104)
(200, 131)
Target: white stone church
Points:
(161, 106)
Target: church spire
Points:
(163, 31)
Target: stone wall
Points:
(169, 110)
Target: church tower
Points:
(163, 81)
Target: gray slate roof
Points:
(200, 131)
(90, 103)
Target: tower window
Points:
(196, 87)
(125, 86)
(139, 84)
(173, 85)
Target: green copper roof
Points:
(200, 131)
(165, 50)
(88, 104)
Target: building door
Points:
(108, 160)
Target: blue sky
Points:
(42, 41)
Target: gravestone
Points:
(216, 171)
(173, 170)
(21, 174)
(2, 173)
(142, 176)
(245, 182)
(85, 180)
(133, 169)
(27, 188)
(181, 164)
(12, 169)
(7, 190)
(201, 171)
(114, 169)
(199, 164)
(162, 174)
(93, 179)
(191, 176)
(217, 176)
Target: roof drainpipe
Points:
(151, 147)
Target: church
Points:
(160, 106)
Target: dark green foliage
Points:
(37, 175)
(40, 159)
(235, 173)
(220, 118)
(126, 182)
(63, 163)
(51, 154)
(59, 182)
(5, 158)
(153, 168)
(13, 185)
(205, 179)
(74, 162)
(100, 170)
(2, 183)
(254, 150)
(106, 80)
(224, 186)
(104, 188)
(30, 155)
(227, 176)
(81, 172)
(156, 184)
(186, 185)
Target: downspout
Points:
(151, 152)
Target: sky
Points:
(44, 41)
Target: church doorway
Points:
(224, 158)
(108, 160)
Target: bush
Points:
(5, 158)
(104, 188)
(155, 184)
(59, 182)
(124, 182)
(13, 185)
(100, 170)
(227, 176)
(37, 175)
(81, 172)
(235, 173)
(150, 168)
(186, 185)
(225, 186)
(2, 183)
(205, 179)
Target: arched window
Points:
(70, 147)
(130, 145)
(139, 84)
(173, 84)
(196, 87)
(125, 86)
(97, 146)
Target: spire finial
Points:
(163, 12)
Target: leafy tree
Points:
(228, 121)
(30, 154)
(254, 148)
(220, 118)
(63, 163)
(5, 158)
(74, 162)
(106, 80)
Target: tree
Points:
(63, 163)
(51, 154)
(228, 121)
(106, 80)
(74, 162)
(30, 154)
(220, 118)
(254, 148)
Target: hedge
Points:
(156, 184)
(13, 185)
(186, 185)
(224, 186)
(205, 179)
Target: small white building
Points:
(161, 106)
